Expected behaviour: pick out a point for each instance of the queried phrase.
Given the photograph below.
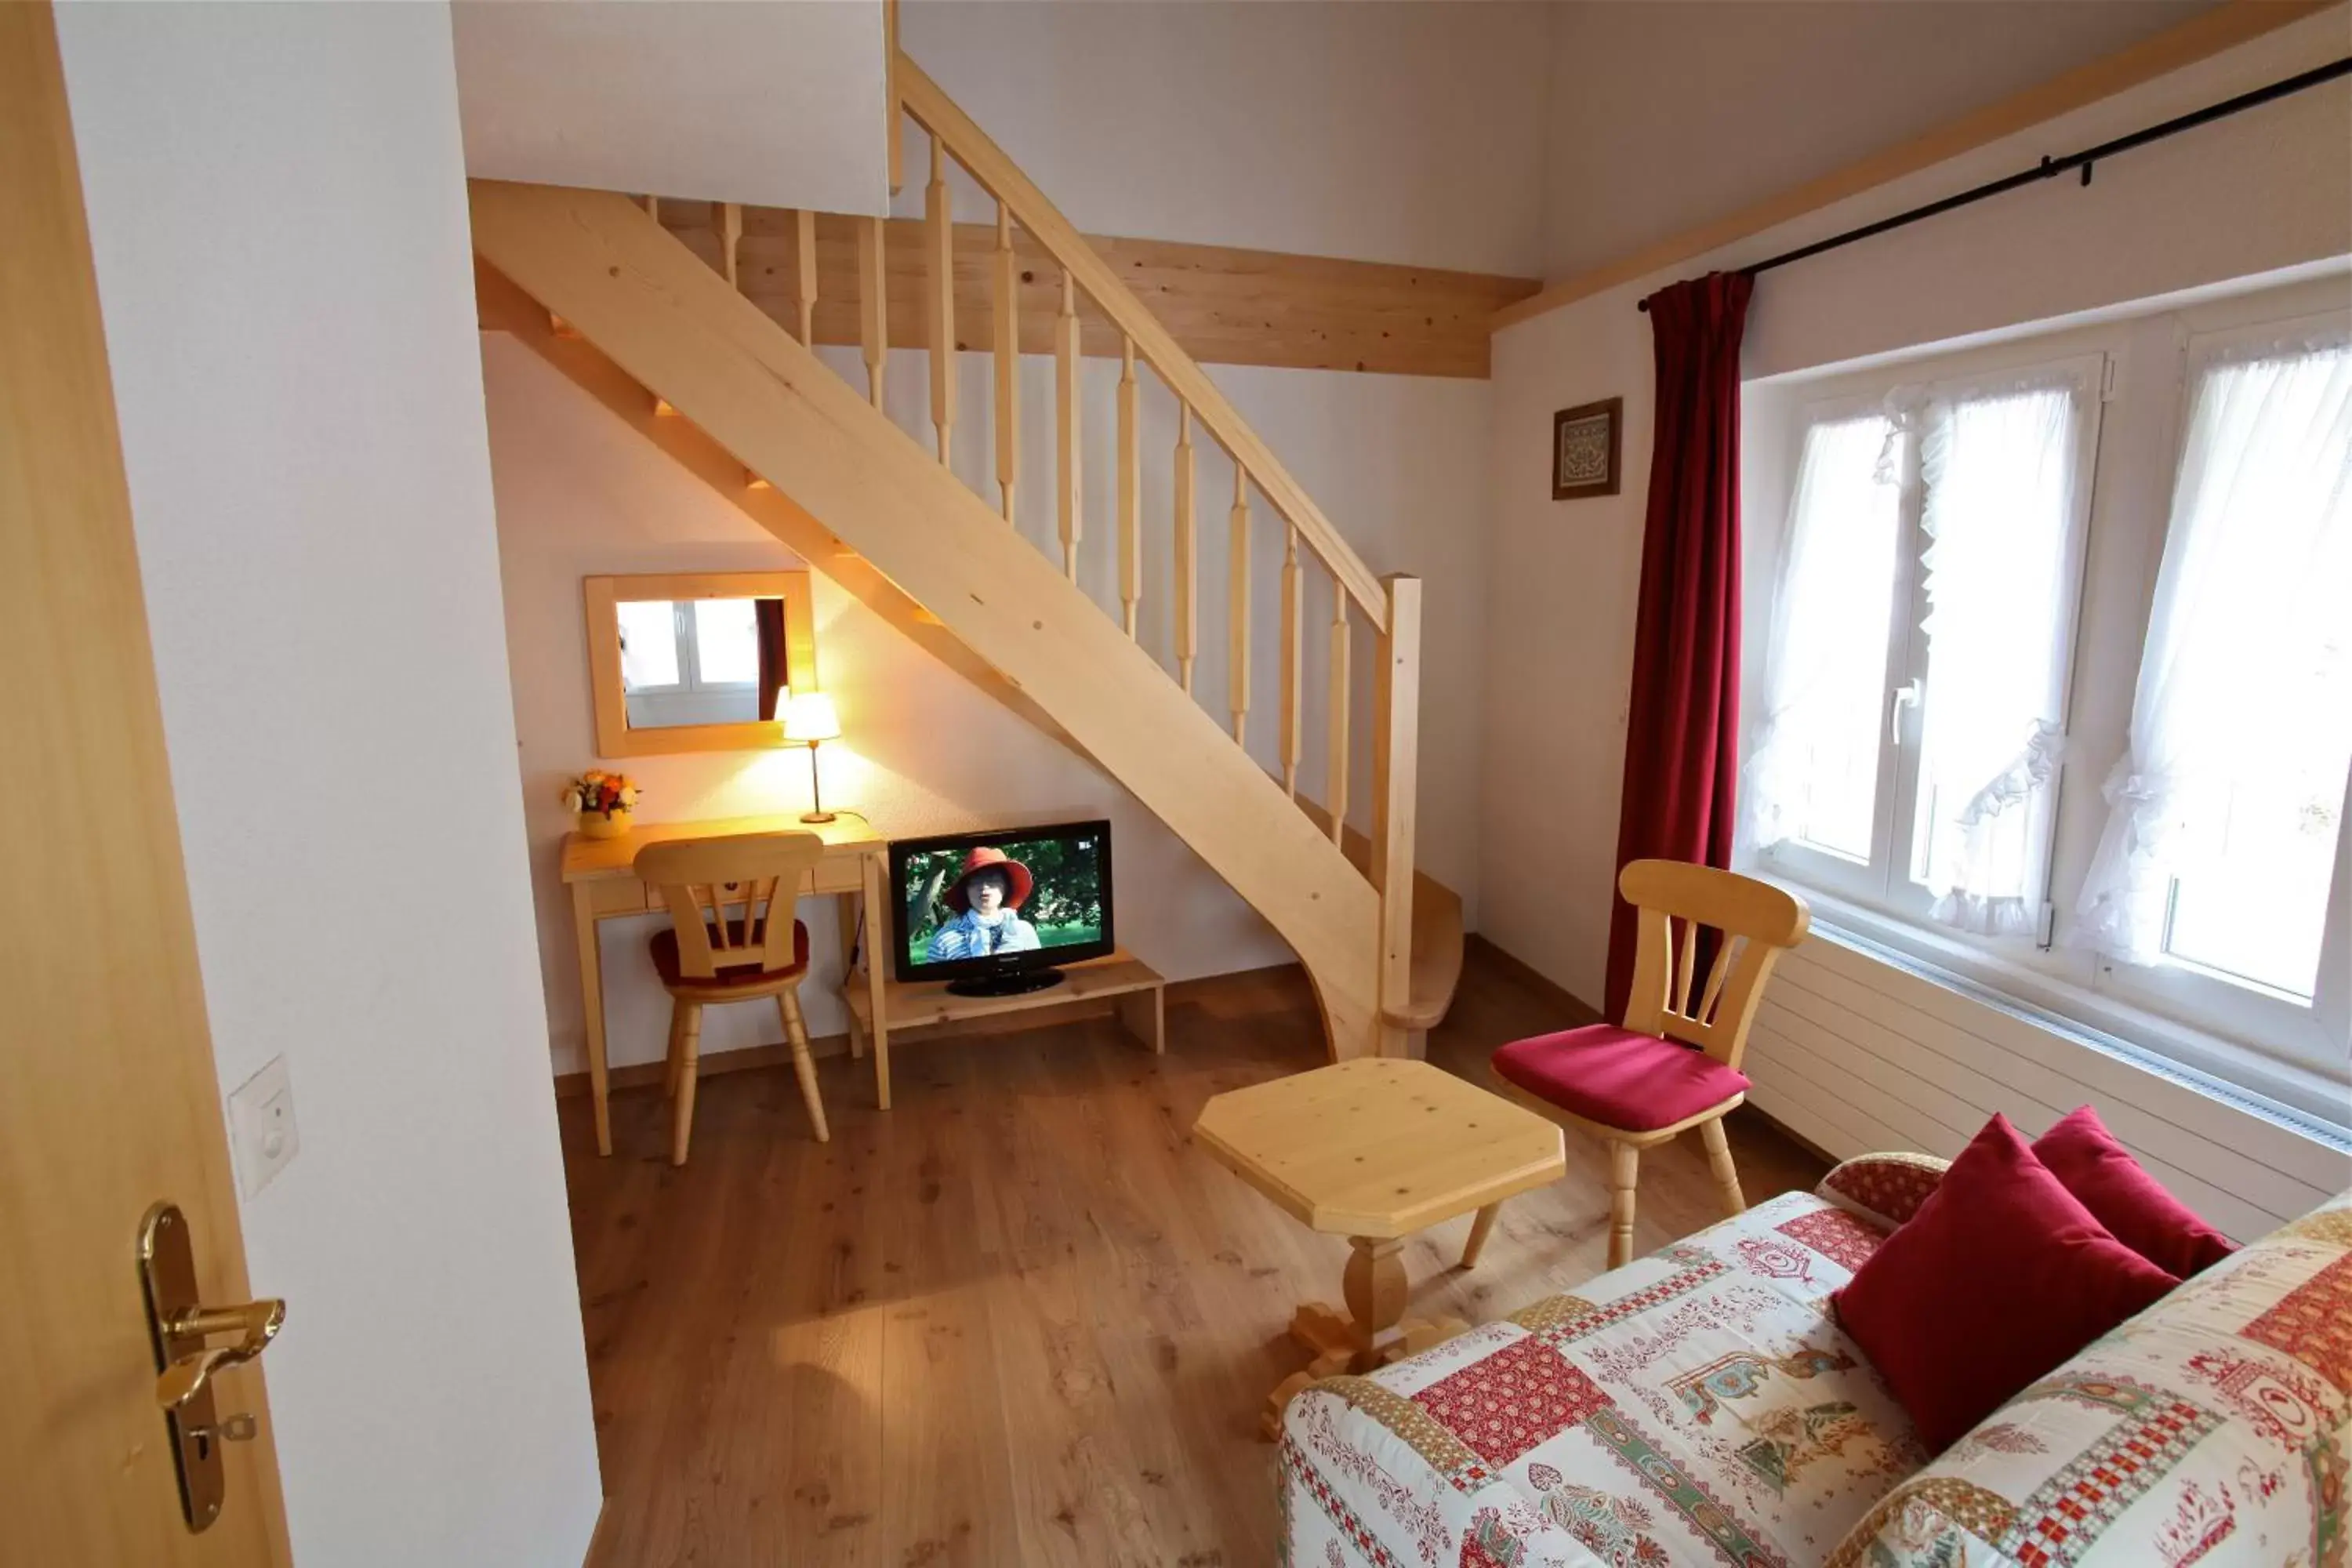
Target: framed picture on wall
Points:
(1585, 444)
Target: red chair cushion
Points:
(1635, 1083)
(730, 976)
(2103, 1177)
(1998, 1281)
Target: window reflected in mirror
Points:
(701, 661)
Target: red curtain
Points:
(775, 671)
(1682, 736)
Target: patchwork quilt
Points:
(1701, 1406)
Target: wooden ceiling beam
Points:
(1222, 305)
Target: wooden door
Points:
(108, 1097)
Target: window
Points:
(1922, 628)
(2221, 852)
(1814, 778)
(2054, 687)
(688, 645)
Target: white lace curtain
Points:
(1999, 509)
(2247, 643)
(1844, 526)
(1998, 469)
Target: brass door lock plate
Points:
(178, 1326)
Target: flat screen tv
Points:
(996, 912)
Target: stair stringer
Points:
(503, 308)
(679, 331)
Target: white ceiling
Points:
(780, 105)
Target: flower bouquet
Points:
(603, 802)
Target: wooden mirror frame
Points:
(604, 595)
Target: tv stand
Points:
(1120, 984)
(1018, 984)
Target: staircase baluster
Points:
(894, 100)
(1336, 765)
(941, 296)
(1396, 764)
(1008, 359)
(1187, 616)
(874, 305)
(1130, 498)
(804, 233)
(1294, 634)
(1238, 605)
(1065, 412)
(730, 241)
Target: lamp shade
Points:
(809, 716)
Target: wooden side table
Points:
(1375, 1149)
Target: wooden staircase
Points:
(592, 283)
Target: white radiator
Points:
(1855, 1053)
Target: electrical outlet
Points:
(261, 1126)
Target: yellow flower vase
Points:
(604, 825)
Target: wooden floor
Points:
(1018, 1319)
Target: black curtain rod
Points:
(2051, 168)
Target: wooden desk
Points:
(857, 860)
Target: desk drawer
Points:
(837, 874)
(623, 896)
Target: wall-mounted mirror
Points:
(697, 661)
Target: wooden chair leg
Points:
(1480, 1229)
(787, 1005)
(689, 1066)
(671, 1059)
(1718, 1158)
(1624, 1173)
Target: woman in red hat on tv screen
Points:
(987, 898)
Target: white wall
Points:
(1662, 117)
(1398, 461)
(1405, 133)
(779, 104)
(2263, 191)
(279, 228)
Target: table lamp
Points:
(809, 716)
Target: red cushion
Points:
(742, 971)
(1636, 1083)
(1998, 1281)
(2121, 1195)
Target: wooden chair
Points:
(705, 958)
(1635, 1087)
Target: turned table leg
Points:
(1373, 1332)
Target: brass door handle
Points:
(255, 1323)
(178, 1324)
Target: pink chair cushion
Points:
(1636, 1083)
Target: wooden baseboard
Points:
(1576, 1011)
(1275, 988)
